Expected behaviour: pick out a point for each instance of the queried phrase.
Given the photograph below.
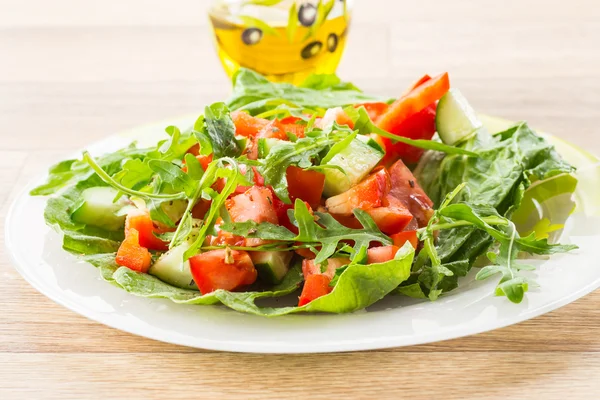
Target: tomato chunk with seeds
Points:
(247, 125)
(404, 187)
(305, 185)
(256, 204)
(315, 286)
(141, 222)
(222, 269)
(367, 194)
(132, 255)
(381, 254)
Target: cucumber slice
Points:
(271, 265)
(265, 145)
(455, 119)
(357, 160)
(371, 142)
(171, 269)
(174, 209)
(242, 141)
(98, 208)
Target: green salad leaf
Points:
(494, 184)
(254, 93)
(358, 287)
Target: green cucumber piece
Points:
(265, 145)
(357, 160)
(171, 269)
(455, 119)
(174, 209)
(371, 142)
(242, 141)
(98, 209)
(271, 265)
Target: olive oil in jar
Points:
(285, 40)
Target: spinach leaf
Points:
(357, 287)
(219, 127)
(254, 93)
(72, 171)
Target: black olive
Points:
(332, 42)
(307, 14)
(251, 36)
(311, 50)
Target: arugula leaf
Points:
(364, 125)
(220, 129)
(69, 172)
(300, 153)
(174, 176)
(254, 93)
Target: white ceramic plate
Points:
(396, 321)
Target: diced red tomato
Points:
(390, 219)
(407, 236)
(306, 253)
(256, 205)
(141, 222)
(413, 102)
(405, 188)
(222, 269)
(289, 120)
(336, 114)
(315, 286)
(131, 254)
(375, 110)
(225, 238)
(247, 125)
(309, 267)
(305, 185)
(381, 254)
(418, 126)
(295, 129)
(201, 208)
(367, 194)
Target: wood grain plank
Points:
(364, 375)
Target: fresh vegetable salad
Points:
(319, 190)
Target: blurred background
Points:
(86, 69)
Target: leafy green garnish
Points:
(254, 93)
(364, 125)
(299, 153)
(357, 287)
(323, 231)
(219, 127)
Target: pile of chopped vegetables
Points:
(318, 190)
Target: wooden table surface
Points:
(72, 72)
